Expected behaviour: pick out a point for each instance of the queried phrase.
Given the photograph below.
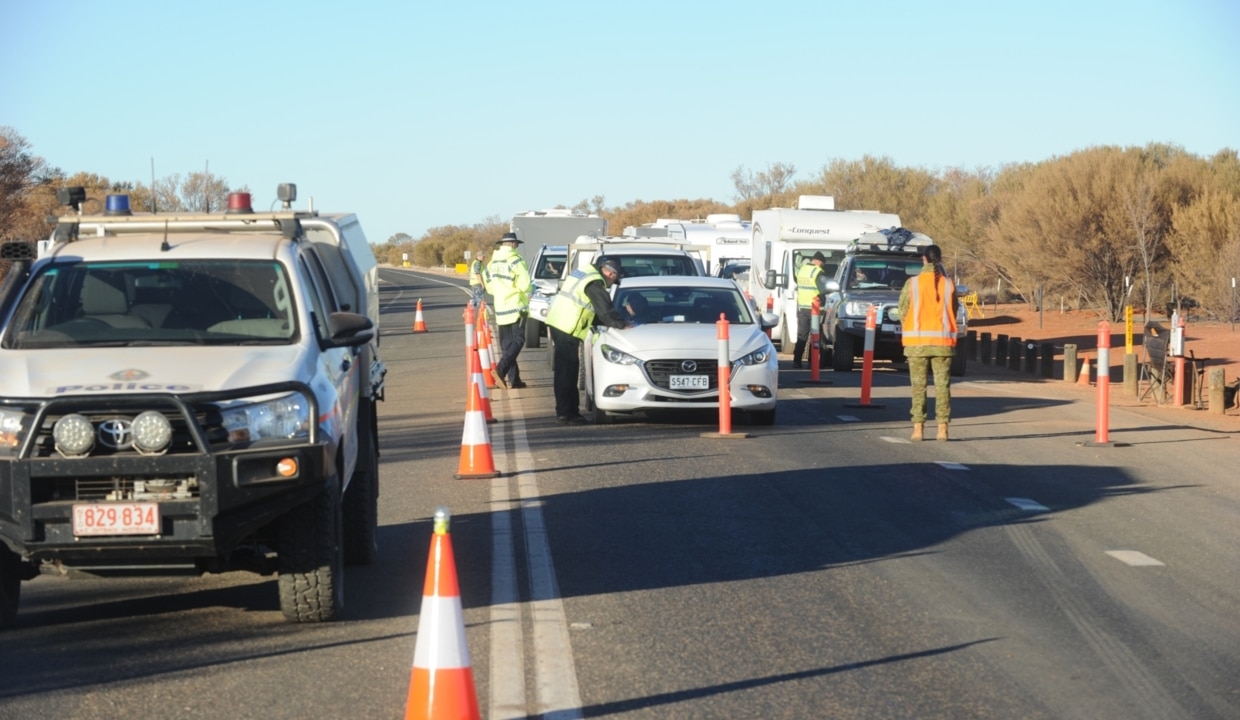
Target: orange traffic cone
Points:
(1083, 378)
(419, 323)
(442, 682)
(475, 378)
(484, 354)
(476, 458)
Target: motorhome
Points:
(783, 239)
(728, 238)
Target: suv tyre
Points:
(311, 559)
(361, 502)
(842, 352)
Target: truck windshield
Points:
(200, 302)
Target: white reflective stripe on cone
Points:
(434, 650)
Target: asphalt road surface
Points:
(824, 567)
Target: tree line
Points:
(1100, 228)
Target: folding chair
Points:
(1155, 372)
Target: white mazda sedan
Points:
(669, 360)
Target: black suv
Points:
(873, 273)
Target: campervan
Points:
(783, 239)
(728, 238)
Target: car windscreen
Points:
(549, 267)
(198, 302)
(696, 305)
(885, 273)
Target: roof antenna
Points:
(164, 246)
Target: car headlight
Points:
(12, 428)
(855, 308)
(757, 357)
(619, 357)
(284, 417)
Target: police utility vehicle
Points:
(191, 392)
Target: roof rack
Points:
(893, 240)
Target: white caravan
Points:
(783, 239)
(727, 236)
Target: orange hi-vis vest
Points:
(929, 321)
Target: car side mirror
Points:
(771, 281)
(831, 285)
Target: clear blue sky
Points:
(416, 114)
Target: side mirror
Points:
(831, 286)
(768, 320)
(771, 281)
(349, 329)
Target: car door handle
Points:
(346, 364)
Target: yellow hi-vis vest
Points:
(508, 281)
(571, 311)
(807, 284)
(929, 321)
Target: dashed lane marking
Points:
(1134, 558)
(1027, 504)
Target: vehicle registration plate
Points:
(891, 328)
(94, 519)
(689, 382)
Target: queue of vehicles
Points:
(761, 259)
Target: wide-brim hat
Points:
(508, 238)
(819, 256)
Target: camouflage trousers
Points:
(918, 368)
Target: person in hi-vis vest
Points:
(582, 301)
(928, 305)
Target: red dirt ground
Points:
(1219, 342)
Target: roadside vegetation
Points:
(1098, 229)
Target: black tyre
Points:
(842, 352)
(533, 333)
(311, 559)
(958, 363)
(10, 587)
(361, 498)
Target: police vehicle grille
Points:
(99, 489)
(659, 372)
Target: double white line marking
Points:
(555, 674)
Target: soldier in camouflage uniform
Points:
(928, 306)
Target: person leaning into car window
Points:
(582, 301)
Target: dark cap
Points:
(508, 237)
(819, 256)
(610, 263)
